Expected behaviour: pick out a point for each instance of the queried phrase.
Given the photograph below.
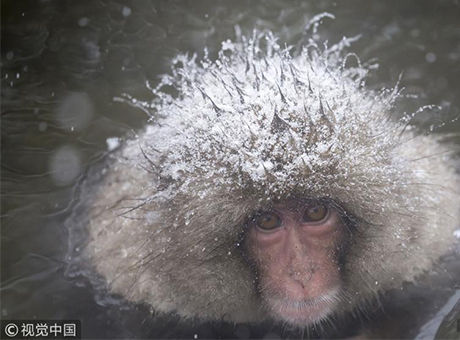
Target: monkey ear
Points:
(278, 125)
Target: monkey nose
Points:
(296, 286)
(300, 277)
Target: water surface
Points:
(64, 62)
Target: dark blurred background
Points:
(63, 63)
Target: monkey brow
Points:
(299, 202)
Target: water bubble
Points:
(92, 49)
(82, 22)
(126, 11)
(65, 165)
(430, 57)
(75, 111)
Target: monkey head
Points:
(271, 184)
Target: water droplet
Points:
(65, 165)
(75, 111)
(126, 11)
(82, 22)
(430, 57)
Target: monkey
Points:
(271, 184)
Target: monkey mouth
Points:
(305, 311)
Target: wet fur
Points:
(175, 243)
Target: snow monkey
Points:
(271, 184)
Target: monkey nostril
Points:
(301, 277)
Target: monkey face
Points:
(295, 247)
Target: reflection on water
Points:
(64, 62)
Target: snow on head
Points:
(262, 117)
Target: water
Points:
(64, 62)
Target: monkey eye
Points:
(268, 221)
(315, 213)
